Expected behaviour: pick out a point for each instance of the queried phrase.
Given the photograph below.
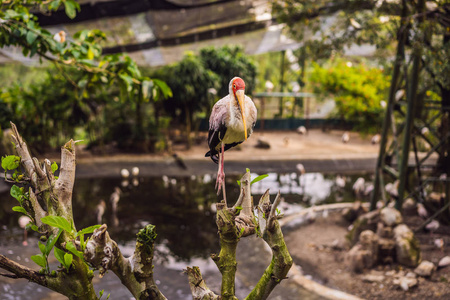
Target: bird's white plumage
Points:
(227, 113)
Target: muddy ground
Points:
(315, 247)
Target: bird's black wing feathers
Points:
(215, 136)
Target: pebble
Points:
(405, 283)
(444, 262)
(390, 216)
(373, 278)
(390, 273)
(425, 269)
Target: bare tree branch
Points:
(21, 271)
(198, 286)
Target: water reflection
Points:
(182, 208)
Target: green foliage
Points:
(357, 90)
(189, 81)
(58, 222)
(10, 162)
(100, 294)
(78, 89)
(54, 167)
(42, 259)
(259, 178)
(228, 62)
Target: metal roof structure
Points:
(159, 32)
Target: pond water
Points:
(183, 210)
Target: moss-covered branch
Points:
(198, 286)
(136, 272)
(237, 222)
(281, 259)
(75, 281)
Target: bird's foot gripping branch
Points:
(47, 201)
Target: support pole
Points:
(399, 58)
(410, 114)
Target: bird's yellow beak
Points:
(240, 95)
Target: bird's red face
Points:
(238, 84)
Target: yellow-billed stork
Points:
(231, 122)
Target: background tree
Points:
(228, 62)
(85, 72)
(358, 91)
(420, 29)
(191, 84)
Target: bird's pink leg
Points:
(220, 181)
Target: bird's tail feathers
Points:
(214, 157)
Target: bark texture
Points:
(235, 223)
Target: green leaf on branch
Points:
(238, 208)
(165, 89)
(259, 178)
(31, 37)
(59, 254)
(40, 260)
(19, 209)
(51, 242)
(31, 226)
(10, 162)
(71, 247)
(42, 248)
(17, 192)
(58, 222)
(71, 8)
(68, 258)
(54, 5)
(54, 167)
(89, 229)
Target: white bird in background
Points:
(422, 211)
(302, 130)
(269, 86)
(399, 95)
(301, 169)
(231, 123)
(376, 139)
(340, 181)
(60, 37)
(392, 188)
(369, 188)
(433, 226)
(359, 186)
(100, 211)
(23, 222)
(124, 173)
(135, 171)
(345, 137)
(115, 198)
(439, 243)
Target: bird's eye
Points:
(234, 86)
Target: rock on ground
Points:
(425, 269)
